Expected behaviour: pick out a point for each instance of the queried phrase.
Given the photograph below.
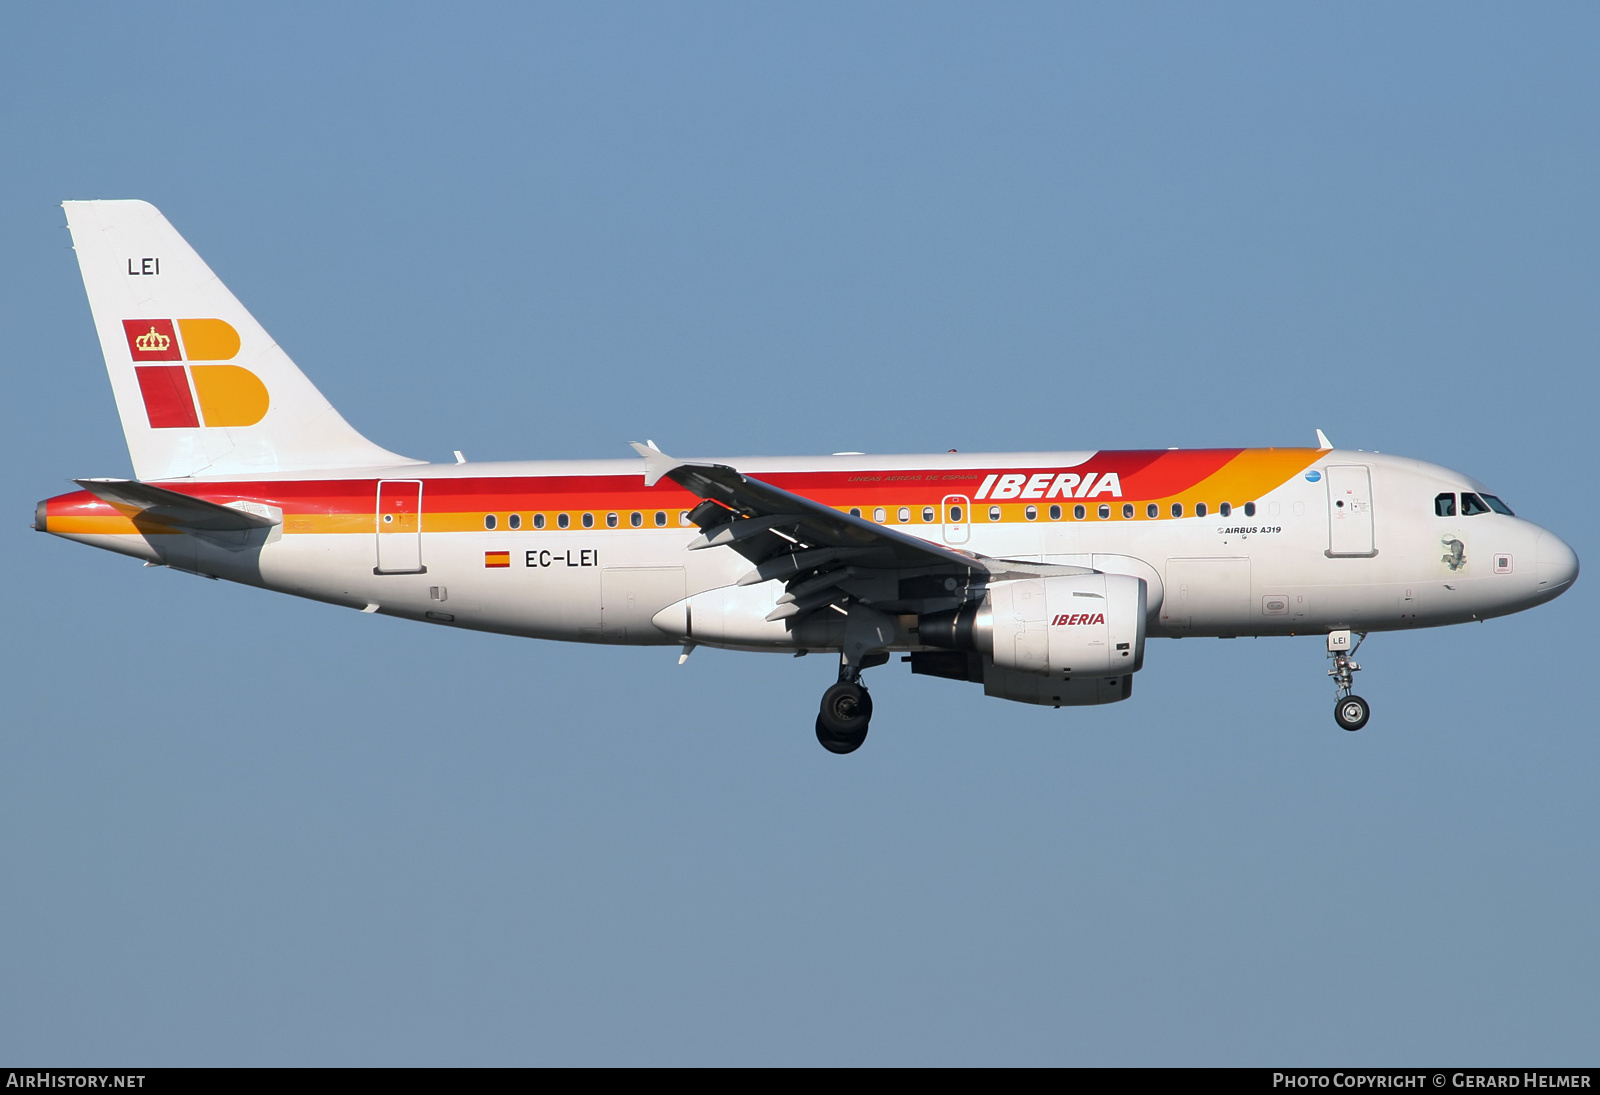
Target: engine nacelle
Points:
(1056, 690)
(1066, 627)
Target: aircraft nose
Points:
(1558, 564)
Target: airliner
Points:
(1037, 575)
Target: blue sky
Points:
(239, 828)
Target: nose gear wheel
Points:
(1350, 711)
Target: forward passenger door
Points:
(1350, 511)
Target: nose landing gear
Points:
(1350, 711)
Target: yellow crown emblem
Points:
(152, 340)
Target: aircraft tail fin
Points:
(201, 388)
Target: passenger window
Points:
(905, 514)
(515, 520)
(588, 520)
(661, 519)
(1249, 509)
(994, 513)
(538, 520)
(683, 518)
(1497, 505)
(1055, 513)
(1105, 511)
(1127, 511)
(1199, 509)
(927, 515)
(1078, 513)
(1177, 509)
(1152, 510)
(955, 515)
(854, 512)
(611, 520)
(1226, 509)
(1444, 505)
(636, 519)
(489, 522)
(563, 520)
(879, 515)
(1472, 505)
(1031, 513)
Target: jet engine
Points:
(1061, 640)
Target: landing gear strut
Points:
(847, 706)
(1350, 711)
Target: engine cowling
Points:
(1054, 690)
(1066, 627)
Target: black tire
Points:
(839, 743)
(1352, 712)
(846, 709)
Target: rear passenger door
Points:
(399, 526)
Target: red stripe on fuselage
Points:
(1175, 472)
(1143, 474)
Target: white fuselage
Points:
(1290, 567)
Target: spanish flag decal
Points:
(497, 558)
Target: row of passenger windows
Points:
(956, 515)
(1444, 505)
(1080, 512)
(587, 520)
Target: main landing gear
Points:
(1350, 711)
(847, 707)
(842, 722)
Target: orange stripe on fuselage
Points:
(346, 506)
(1249, 475)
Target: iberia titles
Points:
(1046, 484)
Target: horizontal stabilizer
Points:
(169, 507)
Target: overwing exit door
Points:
(1350, 510)
(956, 513)
(399, 515)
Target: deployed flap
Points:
(168, 507)
(816, 524)
(826, 558)
(201, 388)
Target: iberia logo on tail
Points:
(226, 395)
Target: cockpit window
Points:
(1472, 505)
(1497, 505)
(1444, 505)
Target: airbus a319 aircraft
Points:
(1039, 575)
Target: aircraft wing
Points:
(171, 508)
(826, 557)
